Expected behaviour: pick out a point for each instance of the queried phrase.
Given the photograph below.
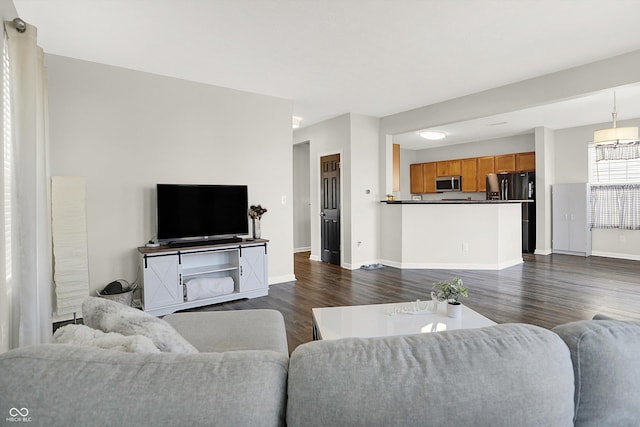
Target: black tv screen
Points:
(201, 211)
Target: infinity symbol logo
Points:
(14, 412)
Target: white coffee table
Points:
(379, 320)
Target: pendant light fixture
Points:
(615, 134)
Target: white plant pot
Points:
(454, 310)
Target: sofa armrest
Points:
(607, 371)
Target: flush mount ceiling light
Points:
(295, 122)
(615, 134)
(432, 135)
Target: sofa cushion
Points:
(232, 330)
(504, 375)
(110, 316)
(64, 385)
(606, 362)
(84, 335)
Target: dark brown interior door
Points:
(330, 208)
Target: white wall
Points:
(328, 137)
(365, 194)
(355, 138)
(7, 13)
(301, 198)
(545, 178)
(572, 165)
(126, 131)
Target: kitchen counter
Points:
(451, 234)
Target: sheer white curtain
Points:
(27, 242)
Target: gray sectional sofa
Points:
(583, 373)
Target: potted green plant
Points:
(451, 291)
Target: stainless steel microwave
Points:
(449, 183)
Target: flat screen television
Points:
(201, 212)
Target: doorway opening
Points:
(330, 208)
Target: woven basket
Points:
(125, 297)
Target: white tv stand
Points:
(166, 269)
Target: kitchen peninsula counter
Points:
(451, 234)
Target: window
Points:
(615, 186)
(612, 164)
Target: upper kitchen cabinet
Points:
(396, 167)
(472, 170)
(505, 163)
(469, 173)
(448, 168)
(429, 175)
(417, 178)
(526, 162)
(423, 178)
(486, 165)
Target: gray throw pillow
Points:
(110, 316)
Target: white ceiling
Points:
(585, 110)
(373, 57)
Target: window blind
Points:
(614, 172)
(611, 165)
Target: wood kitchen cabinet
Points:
(486, 165)
(423, 178)
(396, 167)
(448, 168)
(469, 175)
(472, 170)
(526, 162)
(505, 163)
(429, 177)
(417, 178)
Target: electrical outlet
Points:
(465, 247)
(283, 200)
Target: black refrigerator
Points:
(517, 186)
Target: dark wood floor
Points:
(544, 291)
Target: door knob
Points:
(322, 214)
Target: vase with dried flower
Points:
(255, 213)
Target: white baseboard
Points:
(305, 249)
(389, 263)
(543, 252)
(632, 257)
(282, 279)
(452, 266)
(313, 257)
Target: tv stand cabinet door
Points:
(253, 268)
(161, 282)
